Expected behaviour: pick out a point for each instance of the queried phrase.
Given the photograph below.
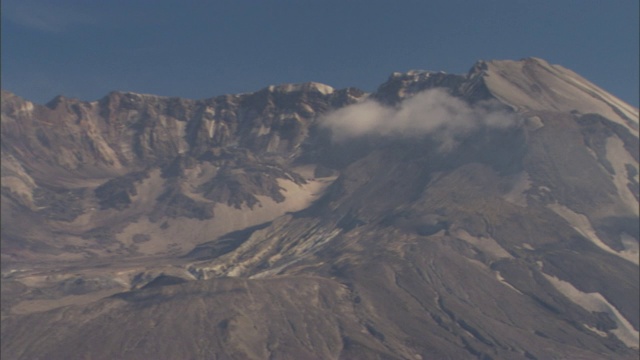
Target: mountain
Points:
(489, 215)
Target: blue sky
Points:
(200, 49)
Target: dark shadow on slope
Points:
(164, 280)
(224, 244)
(611, 229)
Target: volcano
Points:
(488, 215)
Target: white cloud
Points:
(429, 112)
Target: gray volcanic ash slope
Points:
(491, 215)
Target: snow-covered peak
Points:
(412, 75)
(138, 96)
(308, 86)
(534, 84)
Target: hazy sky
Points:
(200, 49)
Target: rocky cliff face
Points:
(72, 162)
(519, 239)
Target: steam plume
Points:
(429, 112)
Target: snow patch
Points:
(502, 280)
(27, 108)
(582, 225)
(619, 157)
(527, 246)
(306, 247)
(630, 244)
(591, 328)
(21, 188)
(534, 123)
(209, 112)
(323, 89)
(287, 88)
(183, 146)
(212, 127)
(596, 302)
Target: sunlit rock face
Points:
(91, 170)
(489, 215)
